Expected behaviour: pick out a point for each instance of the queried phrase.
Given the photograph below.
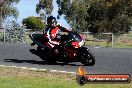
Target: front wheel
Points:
(87, 58)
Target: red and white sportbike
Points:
(71, 48)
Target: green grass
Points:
(37, 82)
(104, 44)
(20, 78)
(93, 43)
(123, 46)
(122, 41)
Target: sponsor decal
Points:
(82, 77)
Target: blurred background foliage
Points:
(93, 15)
(8, 8)
(33, 23)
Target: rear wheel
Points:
(50, 60)
(87, 58)
(46, 55)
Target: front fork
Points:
(81, 51)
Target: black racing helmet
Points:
(51, 21)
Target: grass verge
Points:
(23, 78)
(104, 44)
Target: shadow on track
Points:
(25, 61)
(33, 51)
(43, 57)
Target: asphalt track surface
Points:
(108, 60)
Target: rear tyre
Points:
(48, 56)
(87, 58)
(50, 60)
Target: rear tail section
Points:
(38, 39)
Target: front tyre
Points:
(87, 58)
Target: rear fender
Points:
(38, 39)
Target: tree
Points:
(14, 32)
(8, 9)
(45, 5)
(75, 13)
(94, 15)
(110, 16)
(33, 23)
(102, 15)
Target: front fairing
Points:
(74, 39)
(72, 43)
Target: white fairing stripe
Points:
(51, 45)
(81, 43)
(48, 36)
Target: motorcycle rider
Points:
(51, 31)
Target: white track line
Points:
(36, 69)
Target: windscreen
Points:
(74, 37)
